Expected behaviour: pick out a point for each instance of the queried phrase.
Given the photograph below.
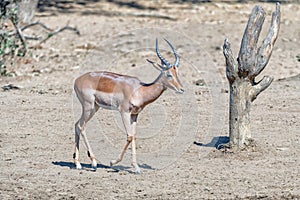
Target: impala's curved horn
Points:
(163, 60)
(175, 53)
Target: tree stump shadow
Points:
(217, 142)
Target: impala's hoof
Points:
(112, 162)
(94, 165)
(78, 166)
(137, 171)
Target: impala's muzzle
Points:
(177, 87)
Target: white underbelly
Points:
(107, 100)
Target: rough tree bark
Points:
(241, 73)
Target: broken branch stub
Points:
(231, 69)
(241, 75)
(265, 51)
(247, 54)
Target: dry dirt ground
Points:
(178, 134)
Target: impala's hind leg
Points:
(76, 150)
(88, 111)
(133, 144)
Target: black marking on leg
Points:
(74, 155)
(89, 155)
(129, 138)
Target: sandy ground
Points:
(177, 134)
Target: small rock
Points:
(75, 67)
(200, 82)
(286, 22)
(285, 39)
(46, 70)
(42, 92)
(282, 148)
(224, 91)
(10, 87)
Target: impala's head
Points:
(169, 72)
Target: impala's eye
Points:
(169, 76)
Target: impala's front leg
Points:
(114, 162)
(129, 122)
(133, 143)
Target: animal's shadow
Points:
(88, 167)
(216, 142)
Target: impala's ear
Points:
(155, 65)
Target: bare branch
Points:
(247, 54)
(231, 65)
(29, 37)
(264, 53)
(260, 86)
(50, 34)
(21, 36)
(36, 23)
(67, 27)
(30, 25)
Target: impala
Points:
(124, 93)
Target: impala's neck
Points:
(153, 90)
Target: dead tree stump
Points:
(241, 73)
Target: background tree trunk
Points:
(241, 74)
(26, 10)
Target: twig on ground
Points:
(37, 23)
(67, 27)
(49, 34)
